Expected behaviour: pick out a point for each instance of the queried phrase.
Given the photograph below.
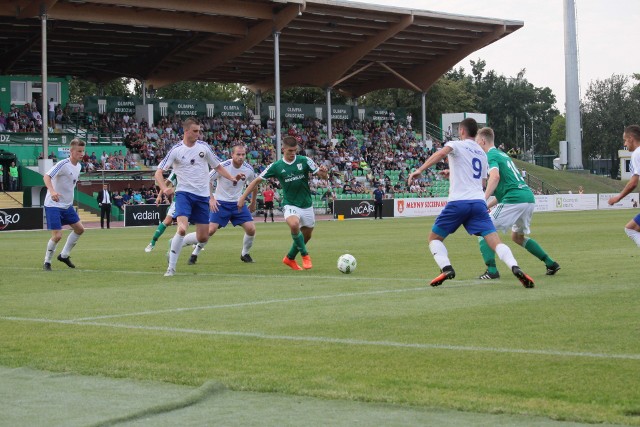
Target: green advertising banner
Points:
(111, 104)
(338, 112)
(35, 138)
(164, 107)
(292, 111)
(184, 108)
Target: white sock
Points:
(440, 253)
(71, 242)
(247, 242)
(190, 239)
(505, 254)
(174, 253)
(633, 235)
(199, 247)
(51, 249)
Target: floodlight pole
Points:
(329, 131)
(424, 117)
(276, 53)
(45, 110)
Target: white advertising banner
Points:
(576, 202)
(545, 203)
(431, 206)
(629, 201)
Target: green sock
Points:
(293, 251)
(536, 250)
(158, 233)
(488, 256)
(298, 242)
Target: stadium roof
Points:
(353, 47)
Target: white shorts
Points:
(172, 210)
(307, 216)
(515, 217)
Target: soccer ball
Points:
(347, 263)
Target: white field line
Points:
(252, 303)
(247, 275)
(341, 341)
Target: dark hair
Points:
(290, 141)
(633, 131)
(471, 126)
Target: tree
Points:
(78, 89)
(558, 132)
(608, 106)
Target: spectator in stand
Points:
(52, 113)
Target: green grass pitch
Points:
(568, 349)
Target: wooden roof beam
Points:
(36, 8)
(325, 72)
(239, 9)
(256, 35)
(149, 18)
(425, 75)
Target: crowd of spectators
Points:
(359, 156)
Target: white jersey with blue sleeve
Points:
(64, 176)
(634, 166)
(191, 166)
(467, 167)
(229, 191)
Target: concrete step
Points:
(87, 216)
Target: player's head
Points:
(468, 128)
(238, 154)
(631, 137)
(76, 150)
(485, 138)
(192, 129)
(289, 148)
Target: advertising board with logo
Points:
(360, 208)
(138, 215)
(21, 219)
(419, 207)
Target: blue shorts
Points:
(228, 211)
(57, 217)
(637, 219)
(195, 208)
(470, 213)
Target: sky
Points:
(608, 37)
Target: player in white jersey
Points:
(190, 160)
(466, 204)
(227, 194)
(61, 181)
(168, 219)
(631, 138)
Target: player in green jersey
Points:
(172, 181)
(514, 203)
(292, 171)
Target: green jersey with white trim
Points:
(512, 188)
(294, 179)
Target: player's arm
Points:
(253, 186)
(213, 203)
(225, 173)
(322, 172)
(492, 183)
(254, 199)
(55, 196)
(161, 182)
(631, 185)
(432, 160)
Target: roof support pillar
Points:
(45, 106)
(329, 110)
(276, 55)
